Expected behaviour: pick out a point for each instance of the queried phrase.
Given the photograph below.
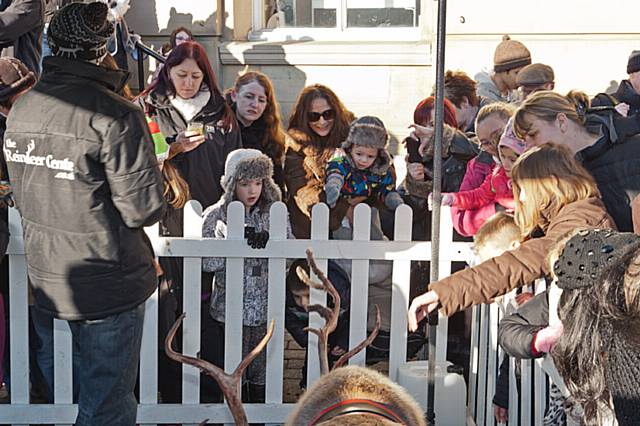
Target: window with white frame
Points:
(323, 18)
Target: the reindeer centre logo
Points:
(65, 166)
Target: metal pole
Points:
(140, 69)
(435, 218)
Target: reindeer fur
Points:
(356, 382)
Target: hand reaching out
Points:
(421, 307)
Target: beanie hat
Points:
(14, 78)
(80, 31)
(510, 54)
(588, 255)
(367, 131)
(510, 140)
(633, 65)
(535, 75)
(247, 164)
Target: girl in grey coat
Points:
(248, 179)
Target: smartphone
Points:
(412, 150)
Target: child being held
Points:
(496, 187)
(363, 168)
(248, 179)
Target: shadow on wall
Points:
(146, 18)
(288, 80)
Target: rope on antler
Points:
(229, 383)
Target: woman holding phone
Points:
(190, 111)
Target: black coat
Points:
(614, 162)
(625, 93)
(86, 181)
(201, 168)
(21, 24)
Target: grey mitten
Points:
(393, 200)
(332, 191)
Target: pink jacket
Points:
(467, 222)
(496, 188)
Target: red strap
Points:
(377, 405)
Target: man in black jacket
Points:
(21, 23)
(629, 90)
(86, 181)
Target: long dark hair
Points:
(584, 313)
(273, 139)
(300, 122)
(174, 34)
(195, 51)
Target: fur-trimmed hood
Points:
(249, 164)
(315, 157)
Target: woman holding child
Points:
(318, 125)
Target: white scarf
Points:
(189, 108)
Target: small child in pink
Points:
(496, 187)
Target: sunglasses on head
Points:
(328, 114)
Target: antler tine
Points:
(307, 280)
(366, 342)
(237, 374)
(229, 383)
(203, 423)
(330, 316)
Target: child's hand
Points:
(622, 108)
(332, 193)
(546, 338)
(523, 298)
(446, 199)
(256, 239)
(501, 414)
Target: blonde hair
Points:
(546, 105)
(500, 230)
(503, 110)
(550, 178)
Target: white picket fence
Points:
(193, 247)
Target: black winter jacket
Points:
(202, 169)
(625, 93)
(614, 162)
(86, 181)
(21, 24)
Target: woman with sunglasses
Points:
(318, 125)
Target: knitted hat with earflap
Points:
(248, 164)
(369, 131)
(510, 54)
(589, 253)
(80, 31)
(14, 78)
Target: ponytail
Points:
(581, 102)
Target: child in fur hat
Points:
(363, 167)
(248, 179)
(496, 187)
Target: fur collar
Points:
(315, 158)
(189, 108)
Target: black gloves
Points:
(256, 239)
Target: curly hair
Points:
(299, 117)
(457, 86)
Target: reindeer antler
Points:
(330, 317)
(229, 383)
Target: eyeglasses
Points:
(328, 114)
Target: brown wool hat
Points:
(510, 54)
(14, 78)
(535, 75)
